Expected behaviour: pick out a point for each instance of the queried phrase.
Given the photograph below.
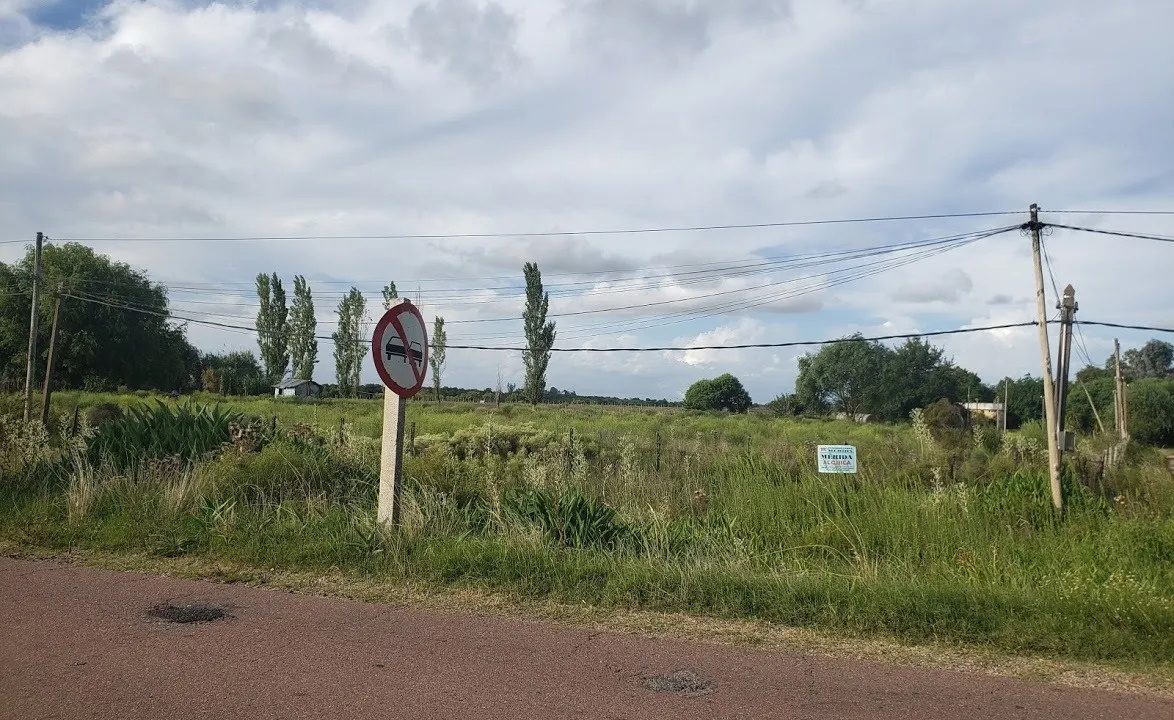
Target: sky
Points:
(183, 119)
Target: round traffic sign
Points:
(400, 349)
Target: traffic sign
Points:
(399, 347)
(836, 458)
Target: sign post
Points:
(836, 458)
(399, 347)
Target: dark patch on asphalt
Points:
(681, 682)
(187, 613)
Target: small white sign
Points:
(836, 458)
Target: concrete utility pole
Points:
(47, 392)
(1006, 401)
(34, 328)
(1068, 308)
(1119, 394)
(1045, 361)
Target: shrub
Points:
(570, 519)
(1151, 411)
(146, 432)
(724, 392)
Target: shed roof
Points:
(293, 383)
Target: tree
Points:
(119, 333)
(1152, 360)
(724, 392)
(389, 294)
(436, 357)
(234, 373)
(272, 327)
(845, 376)
(1027, 399)
(349, 348)
(1151, 411)
(303, 346)
(539, 334)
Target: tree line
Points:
(121, 333)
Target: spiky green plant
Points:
(146, 432)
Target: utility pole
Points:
(1045, 361)
(47, 392)
(1068, 308)
(1119, 394)
(34, 322)
(1006, 401)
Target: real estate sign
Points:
(836, 458)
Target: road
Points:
(78, 642)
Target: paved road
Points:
(77, 643)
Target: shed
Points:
(297, 389)
(990, 410)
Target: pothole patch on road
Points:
(187, 613)
(681, 682)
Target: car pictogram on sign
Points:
(395, 348)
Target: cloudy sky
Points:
(185, 119)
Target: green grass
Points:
(729, 521)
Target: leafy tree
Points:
(1151, 411)
(1079, 414)
(1026, 402)
(845, 376)
(349, 348)
(436, 356)
(118, 333)
(1152, 360)
(272, 327)
(235, 373)
(389, 294)
(539, 334)
(303, 346)
(724, 392)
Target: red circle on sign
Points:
(405, 351)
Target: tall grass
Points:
(666, 510)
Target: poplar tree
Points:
(272, 327)
(539, 334)
(349, 346)
(437, 353)
(389, 294)
(303, 346)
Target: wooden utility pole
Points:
(34, 329)
(1068, 308)
(1045, 361)
(47, 391)
(1119, 403)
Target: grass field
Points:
(936, 539)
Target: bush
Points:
(1151, 411)
(724, 392)
(570, 520)
(147, 432)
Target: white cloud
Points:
(439, 116)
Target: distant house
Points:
(989, 410)
(299, 389)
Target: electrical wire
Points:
(1117, 233)
(555, 233)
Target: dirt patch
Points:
(681, 682)
(187, 613)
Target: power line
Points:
(1142, 236)
(1109, 212)
(555, 233)
(1147, 328)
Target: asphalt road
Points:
(78, 642)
